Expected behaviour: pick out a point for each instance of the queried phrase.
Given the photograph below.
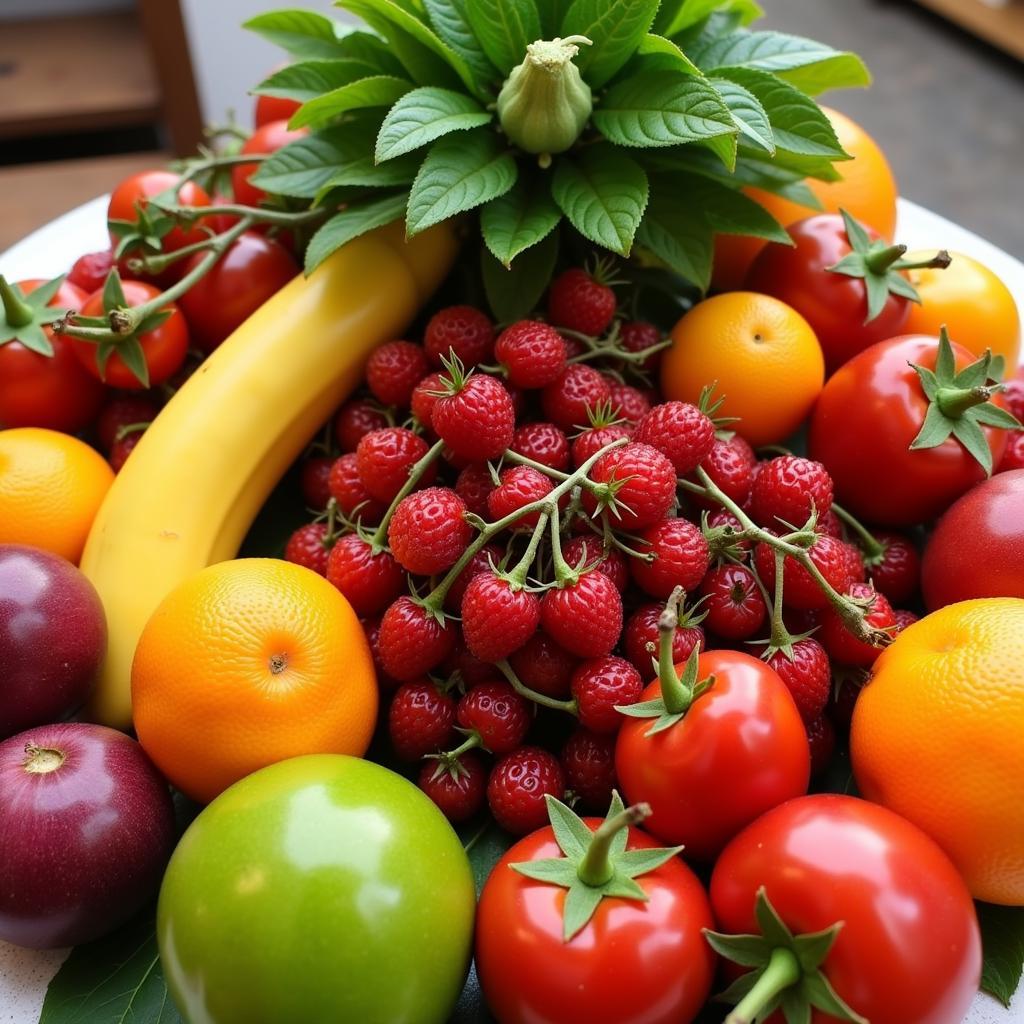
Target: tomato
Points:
(164, 348)
(141, 187)
(322, 888)
(834, 304)
(47, 391)
(274, 108)
(251, 270)
(977, 548)
(740, 749)
(862, 426)
(268, 138)
(909, 950)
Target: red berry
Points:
(643, 486)
(120, 412)
(458, 786)
(821, 738)
(641, 638)
(484, 560)
(122, 448)
(348, 490)
(588, 443)
(520, 486)
(1013, 396)
(386, 457)
(680, 431)
(898, 573)
(544, 666)
(584, 617)
(89, 272)
(393, 370)
(355, 420)
(569, 398)
(315, 482)
(385, 683)
(532, 353)
(477, 420)
(599, 685)
(496, 620)
(424, 398)
(577, 301)
(1013, 454)
(473, 485)
(855, 563)
(800, 589)
(807, 675)
(412, 641)
(589, 764)
(544, 443)
(497, 714)
(830, 524)
(421, 720)
(472, 671)
(841, 644)
(428, 531)
(587, 552)
(787, 488)
(462, 329)
(904, 618)
(518, 785)
(306, 547)
(734, 605)
(368, 582)
(636, 335)
(730, 464)
(629, 404)
(681, 558)
(849, 683)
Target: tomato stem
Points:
(880, 261)
(954, 402)
(674, 692)
(783, 970)
(596, 868)
(568, 706)
(17, 311)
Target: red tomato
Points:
(861, 428)
(274, 108)
(146, 184)
(164, 348)
(268, 138)
(834, 304)
(977, 548)
(252, 270)
(47, 391)
(908, 952)
(632, 963)
(740, 749)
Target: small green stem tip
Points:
(596, 867)
(954, 402)
(783, 970)
(16, 309)
(674, 692)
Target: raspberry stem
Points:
(873, 548)
(568, 706)
(596, 867)
(519, 572)
(379, 540)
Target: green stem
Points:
(18, 312)
(596, 868)
(379, 540)
(954, 402)
(780, 636)
(523, 460)
(568, 706)
(881, 261)
(281, 218)
(783, 970)
(939, 261)
(872, 547)
(674, 692)
(159, 262)
(622, 354)
(521, 570)
(224, 160)
(565, 574)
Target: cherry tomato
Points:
(862, 426)
(47, 391)
(632, 963)
(141, 187)
(252, 270)
(164, 348)
(740, 749)
(274, 108)
(909, 950)
(268, 138)
(834, 304)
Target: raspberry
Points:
(496, 620)
(628, 403)
(385, 459)
(421, 720)
(584, 617)
(368, 582)
(734, 605)
(588, 552)
(520, 486)
(307, 546)
(472, 671)
(841, 644)
(800, 590)
(821, 738)
(1013, 453)
(371, 629)
(598, 686)
(849, 683)
(567, 400)
(544, 443)
(898, 573)
(543, 666)
(315, 482)
(120, 412)
(807, 675)
(855, 563)
(830, 524)
(641, 638)
(589, 764)
(393, 370)
(1013, 396)
(904, 618)
(497, 714)
(479, 562)
(463, 330)
(785, 490)
(122, 448)
(428, 531)
(424, 398)
(517, 787)
(89, 272)
(730, 464)
(412, 642)
(355, 420)
(636, 335)
(349, 491)
(590, 442)
(476, 420)
(473, 485)
(643, 485)
(458, 786)
(532, 353)
(579, 302)
(680, 431)
(681, 558)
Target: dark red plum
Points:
(86, 829)
(53, 636)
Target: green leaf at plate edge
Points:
(1002, 941)
(311, 78)
(373, 91)
(513, 293)
(423, 115)
(352, 222)
(303, 167)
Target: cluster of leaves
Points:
(689, 106)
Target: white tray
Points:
(24, 974)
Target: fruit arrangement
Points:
(598, 573)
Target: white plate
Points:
(24, 974)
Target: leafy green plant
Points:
(637, 122)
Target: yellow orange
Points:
(51, 487)
(247, 663)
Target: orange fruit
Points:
(51, 487)
(867, 190)
(762, 355)
(247, 663)
(936, 737)
(977, 308)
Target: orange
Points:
(867, 189)
(762, 355)
(247, 663)
(51, 487)
(977, 308)
(937, 738)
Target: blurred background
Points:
(92, 90)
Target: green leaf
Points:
(113, 293)
(423, 115)
(313, 78)
(513, 292)
(504, 28)
(747, 111)
(614, 27)
(674, 18)
(303, 167)
(521, 218)
(972, 437)
(773, 928)
(725, 209)
(992, 416)
(352, 222)
(934, 430)
(580, 903)
(643, 709)
(625, 888)
(745, 950)
(604, 195)
(680, 237)
(663, 54)
(32, 336)
(451, 23)
(639, 862)
(945, 361)
(818, 992)
(571, 834)
(39, 298)
(130, 351)
(552, 14)
(556, 871)
(1002, 943)
(662, 109)
(369, 48)
(303, 34)
(459, 173)
(375, 91)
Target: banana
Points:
(195, 482)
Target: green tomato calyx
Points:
(23, 317)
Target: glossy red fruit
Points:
(897, 572)
(733, 602)
(497, 714)
(731, 465)
(463, 330)
(588, 761)
(589, 442)
(680, 431)
(424, 397)
(572, 395)
(831, 557)
(412, 642)
(458, 786)
(580, 302)
(268, 138)
(473, 485)
(599, 685)
(1013, 454)
(904, 617)
(385, 459)
(681, 558)
(544, 443)
(841, 644)
(628, 403)
(497, 619)
(346, 487)
(123, 411)
(393, 371)
(520, 486)
(428, 531)
(368, 581)
(315, 482)
(587, 551)
(642, 485)
(488, 558)
(584, 617)
(137, 190)
(637, 335)
(385, 682)
(309, 546)
(355, 420)
(786, 489)
(544, 666)
(517, 785)
(531, 352)
(122, 448)
(471, 670)
(821, 738)
(640, 638)
(90, 270)
(421, 720)
(807, 675)
(273, 108)
(476, 420)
